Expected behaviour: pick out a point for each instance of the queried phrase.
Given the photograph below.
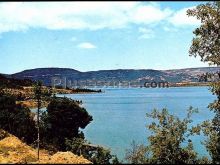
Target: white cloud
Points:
(170, 29)
(86, 45)
(149, 14)
(180, 18)
(73, 39)
(146, 33)
(21, 16)
(16, 16)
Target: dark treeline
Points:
(14, 83)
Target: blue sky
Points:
(89, 36)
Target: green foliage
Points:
(41, 93)
(62, 120)
(38, 90)
(211, 142)
(16, 119)
(101, 156)
(38, 97)
(137, 154)
(169, 133)
(96, 154)
(207, 39)
(76, 146)
(206, 44)
(48, 93)
(212, 129)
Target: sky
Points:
(91, 36)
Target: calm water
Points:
(119, 115)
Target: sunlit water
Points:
(119, 115)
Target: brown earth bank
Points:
(14, 151)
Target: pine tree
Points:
(38, 97)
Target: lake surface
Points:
(119, 115)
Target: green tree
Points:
(207, 37)
(137, 154)
(96, 154)
(16, 119)
(62, 121)
(40, 94)
(206, 44)
(166, 144)
(38, 97)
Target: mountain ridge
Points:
(171, 75)
(112, 69)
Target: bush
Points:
(16, 119)
(96, 154)
(169, 133)
(62, 120)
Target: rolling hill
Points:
(131, 75)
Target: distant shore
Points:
(25, 95)
(189, 84)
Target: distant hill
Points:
(45, 74)
(172, 76)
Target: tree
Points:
(62, 120)
(137, 154)
(60, 126)
(206, 44)
(38, 97)
(16, 119)
(169, 133)
(96, 154)
(207, 37)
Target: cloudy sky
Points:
(96, 35)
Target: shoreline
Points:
(27, 94)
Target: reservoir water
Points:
(119, 115)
